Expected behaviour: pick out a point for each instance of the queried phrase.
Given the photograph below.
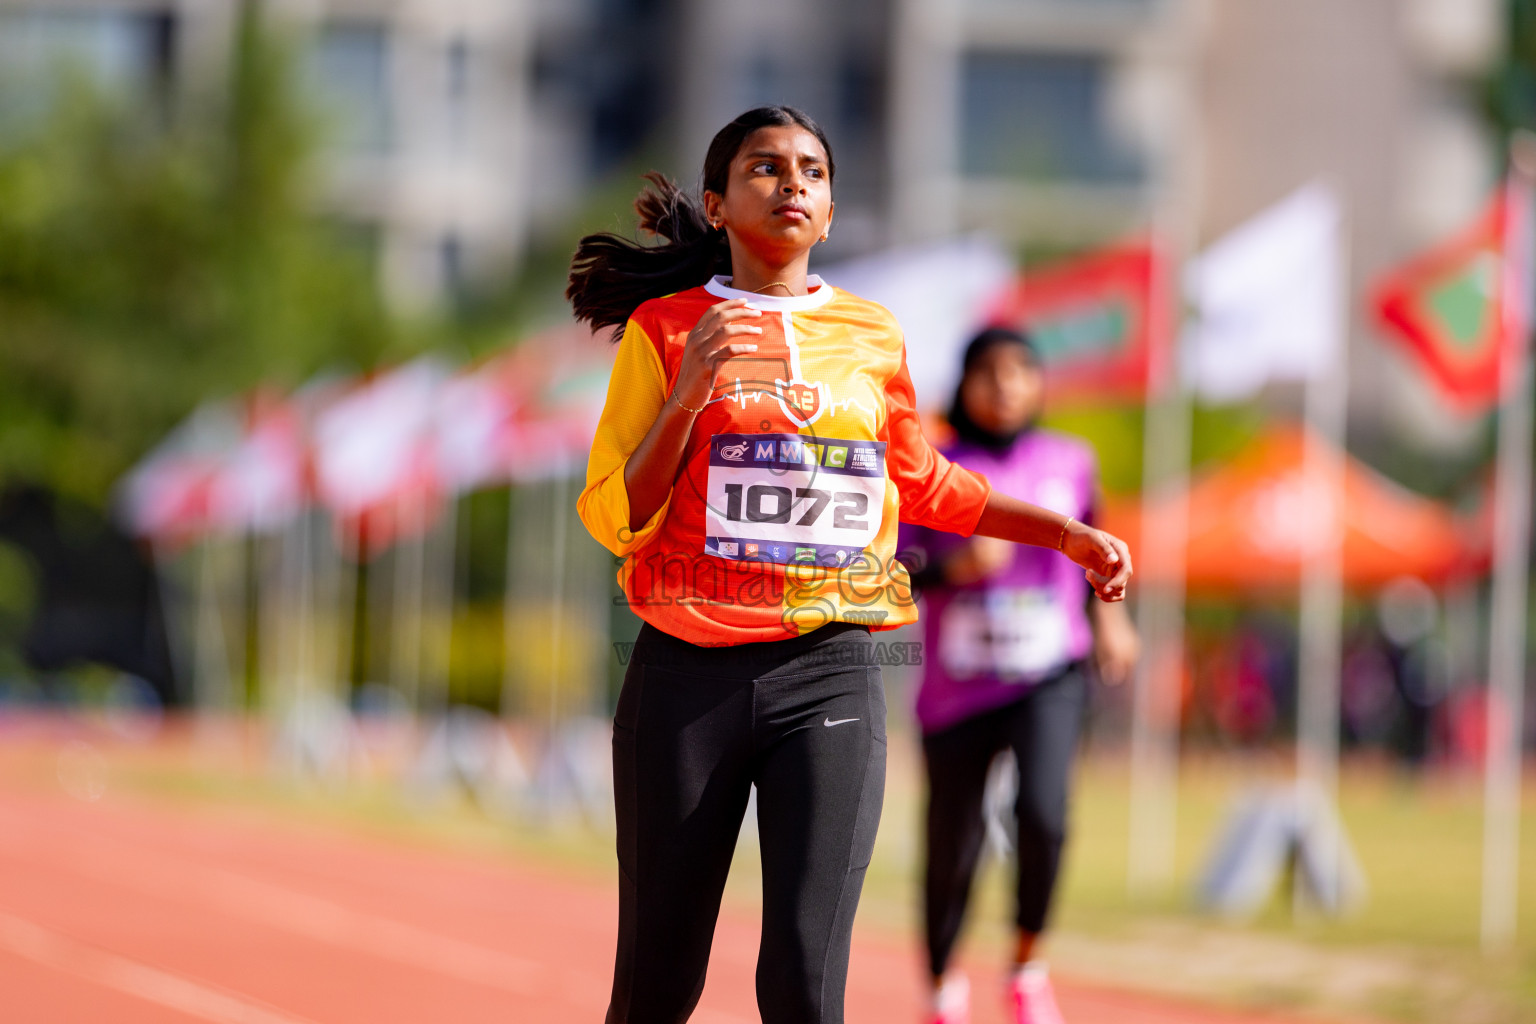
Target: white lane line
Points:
(383, 937)
(295, 912)
(316, 918)
(301, 914)
(194, 998)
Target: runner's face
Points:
(778, 198)
(1004, 390)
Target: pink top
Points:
(987, 642)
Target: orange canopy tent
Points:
(1255, 520)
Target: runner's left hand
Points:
(1104, 556)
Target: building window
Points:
(351, 69)
(453, 268)
(456, 66)
(1040, 117)
(457, 70)
(119, 54)
(763, 81)
(1091, 5)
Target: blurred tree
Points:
(1509, 98)
(150, 261)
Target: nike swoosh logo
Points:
(841, 721)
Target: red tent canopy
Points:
(1256, 519)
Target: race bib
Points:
(1014, 633)
(788, 498)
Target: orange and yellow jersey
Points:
(784, 512)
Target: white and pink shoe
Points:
(1031, 997)
(952, 1001)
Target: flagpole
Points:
(560, 496)
(509, 609)
(211, 669)
(1320, 616)
(1157, 685)
(439, 597)
(1155, 698)
(406, 621)
(1512, 521)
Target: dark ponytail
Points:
(611, 275)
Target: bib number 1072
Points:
(770, 503)
(784, 498)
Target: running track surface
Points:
(132, 913)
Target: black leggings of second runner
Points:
(696, 727)
(1041, 728)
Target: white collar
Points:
(819, 293)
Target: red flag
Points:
(527, 414)
(169, 495)
(1094, 319)
(1457, 307)
(263, 480)
(374, 456)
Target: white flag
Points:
(1266, 300)
(373, 444)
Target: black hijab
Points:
(966, 429)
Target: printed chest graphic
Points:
(785, 498)
(774, 373)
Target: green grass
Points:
(1419, 843)
(1410, 953)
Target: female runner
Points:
(1007, 630)
(757, 449)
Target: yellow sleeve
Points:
(636, 392)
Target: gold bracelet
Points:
(683, 407)
(1061, 542)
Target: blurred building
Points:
(832, 60)
(461, 131)
(1057, 123)
(1044, 121)
(1379, 98)
(453, 129)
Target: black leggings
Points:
(1041, 728)
(804, 720)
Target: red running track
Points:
(123, 912)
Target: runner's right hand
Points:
(719, 335)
